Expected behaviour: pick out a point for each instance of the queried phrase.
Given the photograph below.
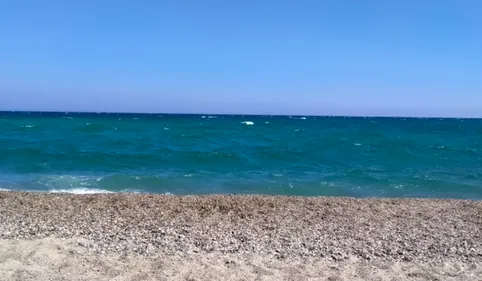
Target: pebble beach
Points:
(335, 237)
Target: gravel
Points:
(324, 227)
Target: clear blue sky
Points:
(419, 58)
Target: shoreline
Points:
(274, 229)
(97, 191)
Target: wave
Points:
(81, 190)
(4, 189)
(90, 184)
(249, 123)
(66, 182)
(130, 190)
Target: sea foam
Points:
(81, 190)
(249, 123)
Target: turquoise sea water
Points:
(195, 154)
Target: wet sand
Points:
(154, 237)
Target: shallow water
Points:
(202, 154)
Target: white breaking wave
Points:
(80, 190)
(212, 117)
(4, 189)
(28, 126)
(303, 118)
(249, 123)
(71, 184)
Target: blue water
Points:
(194, 154)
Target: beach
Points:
(125, 236)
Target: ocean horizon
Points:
(191, 154)
(57, 113)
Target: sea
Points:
(173, 154)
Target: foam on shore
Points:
(81, 190)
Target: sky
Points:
(352, 57)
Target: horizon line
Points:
(236, 114)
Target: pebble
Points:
(284, 227)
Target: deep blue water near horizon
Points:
(206, 154)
